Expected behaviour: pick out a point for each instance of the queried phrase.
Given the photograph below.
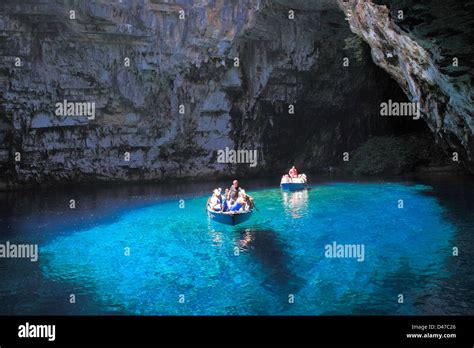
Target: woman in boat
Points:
(293, 172)
(226, 200)
(215, 203)
(248, 202)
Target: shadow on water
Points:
(456, 196)
(435, 293)
(268, 249)
(405, 281)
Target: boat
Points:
(293, 184)
(230, 218)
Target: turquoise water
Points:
(149, 258)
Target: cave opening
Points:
(336, 105)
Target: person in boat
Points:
(235, 190)
(238, 205)
(215, 203)
(293, 172)
(226, 200)
(248, 200)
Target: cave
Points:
(336, 106)
(299, 82)
(308, 159)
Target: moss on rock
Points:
(395, 155)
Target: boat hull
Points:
(293, 186)
(229, 219)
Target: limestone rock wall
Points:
(425, 47)
(189, 65)
(173, 62)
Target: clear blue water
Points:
(249, 269)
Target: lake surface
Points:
(139, 249)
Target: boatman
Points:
(293, 172)
(234, 190)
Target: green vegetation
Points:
(355, 46)
(395, 155)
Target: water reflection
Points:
(217, 238)
(296, 204)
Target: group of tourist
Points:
(233, 199)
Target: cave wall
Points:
(172, 62)
(186, 62)
(300, 63)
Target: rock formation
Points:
(428, 54)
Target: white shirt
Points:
(214, 201)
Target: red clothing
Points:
(293, 173)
